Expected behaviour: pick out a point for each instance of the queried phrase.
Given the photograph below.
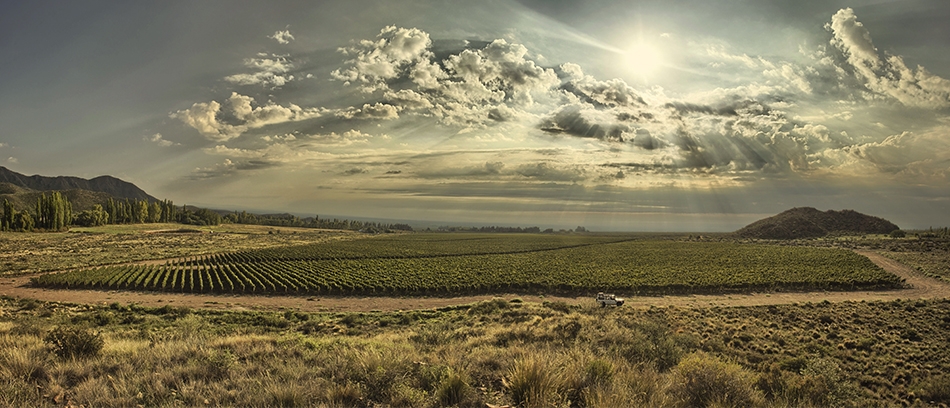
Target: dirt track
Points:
(921, 287)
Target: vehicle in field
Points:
(608, 299)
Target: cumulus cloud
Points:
(270, 71)
(13, 160)
(503, 71)
(920, 156)
(219, 125)
(386, 57)
(470, 87)
(282, 37)
(377, 111)
(887, 74)
(203, 117)
(408, 99)
(610, 93)
(289, 137)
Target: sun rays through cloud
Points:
(615, 116)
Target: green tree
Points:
(140, 213)
(22, 221)
(53, 213)
(169, 212)
(92, 218)
(154, 212)
(6, 222)
(113, 211)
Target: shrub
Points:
(598, 373)
(455, 391)
(898, 234)
(488, 307)
(935, 390)
(558, 306)
(217, 364)
(589, 386)
(821, 384)
(346, 394)
(74, 342)
(533, 383)
(702, 380)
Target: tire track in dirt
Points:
(920, 287)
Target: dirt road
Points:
(921, 287)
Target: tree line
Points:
(55, 213)
(290, 220)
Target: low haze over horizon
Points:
(681, 115)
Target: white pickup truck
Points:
(608, 299)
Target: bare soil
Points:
(919, 287)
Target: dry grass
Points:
(513, 353)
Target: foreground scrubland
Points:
(495, 352)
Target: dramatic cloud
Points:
(585, 121)
(486, 119)
(473, 87)
(612, 93)
(887, 75)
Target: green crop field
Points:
(480, 263)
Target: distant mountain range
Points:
(807, 222)
(22, 190)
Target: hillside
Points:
(103, 184)
(807, 222)
(23, 198)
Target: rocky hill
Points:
(807, 222)
(102, 184)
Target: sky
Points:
(633, 115)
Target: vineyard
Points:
(479, 263)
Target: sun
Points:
(644, 60)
